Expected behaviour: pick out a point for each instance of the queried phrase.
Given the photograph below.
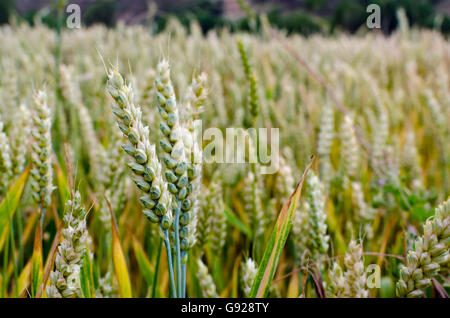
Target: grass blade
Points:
(9, 205)
(439, 291)
(234, 220)
(63, 184)
(120, 264)
(275, 246)
(144, 264)
(49, 262)
(87, 277)
(37, 271)
(24, 278)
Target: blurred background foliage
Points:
(296, 16)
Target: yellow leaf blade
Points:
(275, 246)
(9, 204)
(120, 264)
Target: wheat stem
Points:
(170, 264)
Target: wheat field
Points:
(99, 199)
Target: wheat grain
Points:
(284, 183)
(5, 161)
(205, 280)
(324, 142)
(218, 221)
(251, 197)
(431, 251)
(252, 98)
(317, 218)
(20, 132)
(349, 147)
(113, 173)
(352, 281)
(365, 213)
(171, 142)
(41, 155)
(143, 163)
(65, 279)
(249, 271)
(194, 106)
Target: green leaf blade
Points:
(275, 246)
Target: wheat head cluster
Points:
(100, 196)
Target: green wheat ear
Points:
(351, 282)
(248, 271)
(65, 279)
(5, 161)
(429, 256)
(144, 164)
(20, 133)
(309, 226)
(350, 152)
(175, 162)
(250, 76)
(41, 152)
(205, 281)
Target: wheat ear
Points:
(145, 166)
(65, 279)
(429, 256)
(41, 171)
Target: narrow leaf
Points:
(145, 267)
(318, 284)
(37, 263)
(439, 291)
(120, 264)
(49, 262)
(235, 221)
(24, 278)
(9, 205)
(87, 277)
(275, 246)
(63, 185)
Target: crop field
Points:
(108, 188)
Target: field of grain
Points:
(99, 197)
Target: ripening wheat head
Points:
(350, 283)
(429, 256)
(5, 161)
(144, 164)
(41, 152)
(349, 147)
(172, 141)
(65, 279)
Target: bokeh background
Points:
(299, 16)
